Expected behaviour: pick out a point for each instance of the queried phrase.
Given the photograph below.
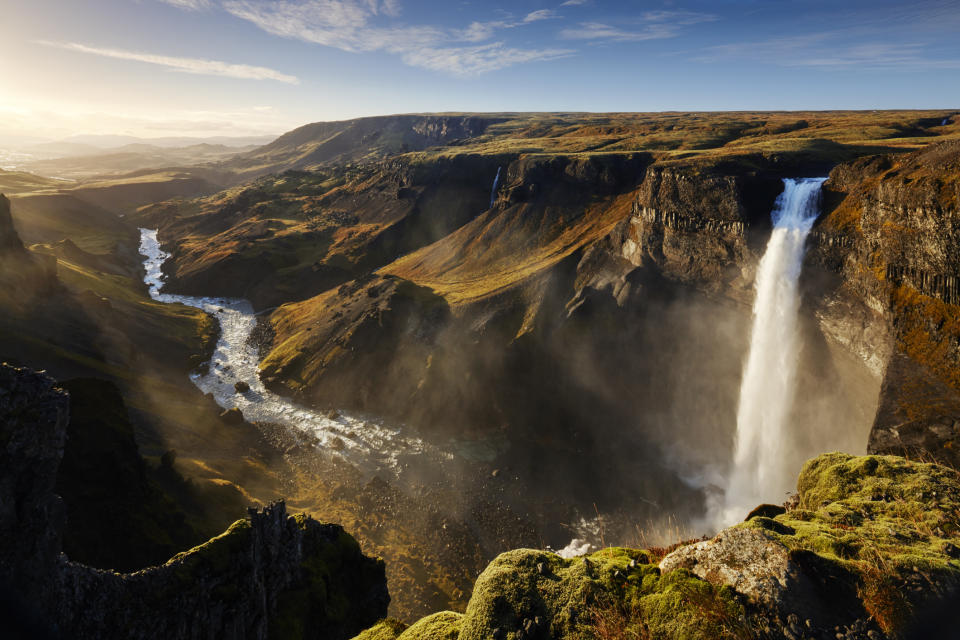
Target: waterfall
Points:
(761, 471)
(493, 191)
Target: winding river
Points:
(367, 444)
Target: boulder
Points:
(757, 566)
(232, 416)
(241, 387)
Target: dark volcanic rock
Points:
(895, 232)
(9, 240)
(31, 273)
(232, 416)
(271, 574)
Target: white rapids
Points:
(369, 446)
(763, 433)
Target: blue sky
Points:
(232, 67)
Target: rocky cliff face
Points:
(271, 575)
(867, 549)
(19, 267)
(9, 240)
(291, 236)
(894, 226)
(324, 143)
(595, 316)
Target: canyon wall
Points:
(270, 575)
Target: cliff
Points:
(867, 548)
(594, 315)
(321, 143)
(271, 575)
(20, 268)
(896, 221)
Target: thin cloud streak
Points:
(654, 25)
(190, 5)
(825, 50)
(464, 61)
(540, 14)
(182, 65)
(349, 25)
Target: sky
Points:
(154, 68)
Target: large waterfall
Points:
(493, 191)
(760, 471)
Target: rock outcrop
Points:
(271, 575)
(28, 271)
(866, 550)
(898, 218)
(9, 240)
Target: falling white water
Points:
(369, 446)
(760, 471)
(493, 191)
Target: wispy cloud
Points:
(573, 3)
(540, 14)
(192, 5)
(183, 65)
(478, 59)
(653, 25)
(830, 50)
(357, 26)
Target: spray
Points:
(760, 470)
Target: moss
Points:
(333, 572)
(866, 525)
(882, 520)
(439, 626)
(526, 592)
(387, 629)
(214, 557)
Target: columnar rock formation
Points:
(29, 272)
(271, 574)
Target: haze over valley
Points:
(339, 319)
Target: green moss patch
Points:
(887, 522)
(387, 629)
(527, 593)
(439, 626)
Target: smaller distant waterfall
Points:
(763, 439)
(493, 191)
(945, 122)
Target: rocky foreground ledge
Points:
(270, 575)
(868, 548)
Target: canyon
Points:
(571, 350)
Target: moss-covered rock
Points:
(869, 544)
(868, 537)
(534, 594)
(333, 597)
(387, 629)
(439, 626)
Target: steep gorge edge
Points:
(647, 226)
(655, 245)
(675, 227)
(268, 575)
